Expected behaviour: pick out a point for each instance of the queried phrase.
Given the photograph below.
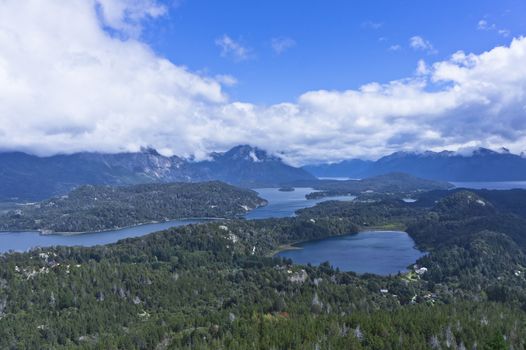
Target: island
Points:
(97, 208)
(397, 185)
(286, 189)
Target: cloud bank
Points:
(68, 85)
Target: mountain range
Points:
(25, 177)
(481, 164)
(29, 177)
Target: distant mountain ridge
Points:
(28, 177)
(481, 165)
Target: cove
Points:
(379, 252)
(23, 241)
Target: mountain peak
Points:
(481, 151)
(398, 155)
(149, 150)
(465, 164)
(464, 204)
(248, 153)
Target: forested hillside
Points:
(214, 286)
(95, 208)
(400, 184)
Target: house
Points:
(420, 271)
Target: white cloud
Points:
(66, 85)
(421, 68)
(395, 47)
(232, 48)
(372, 25)
(282, 44)
(126, 16)
(226, 79)
(421, 44)
(484, 25)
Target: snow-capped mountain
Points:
(480, 164)
(250, 167)
(24, 176)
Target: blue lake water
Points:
(378, 252)
(22, 241)
(489, 185)
(285, 204)
(281, 204)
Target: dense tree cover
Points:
(95, 208)
(215, 286)
(477, 249)
(366, 214)
(399, 183)
(506, 201)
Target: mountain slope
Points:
(345, 168)
(28, 177)
(250, 167)
(481, 165)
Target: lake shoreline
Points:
(44, 232)
(277, 204)
(67, 234)
(380, 252)
(294, 245)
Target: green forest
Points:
(217, 285)
(392, 184)
(95, 208)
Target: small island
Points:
(286, 189)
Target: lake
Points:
(285, 204)
(378, 252)
(22, 241)
(382, 253)
(491, 185)
(280, 204)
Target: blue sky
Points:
(337, 44)
(315, 81)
